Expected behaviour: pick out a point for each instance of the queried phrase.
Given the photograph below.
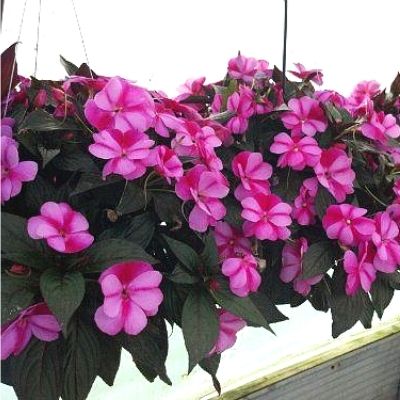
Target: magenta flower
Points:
(360, 271)
(330, 96)
(253, 173)
(304, 204)
(314, 75)
(229, 326)
(396, 190)
(360, 100)
(334, 172)
(13, 171)
(205, 188)
(164, 120)
(230, 241)
(387, 256)
(36, 320)
(292, 266)
(243, 274)
(348, 224)
(381, 127)
(64, 229)
(267, 217)
(167, 163)
(192, 87)
(6, 127)
(121, 105)
(242, 105)
(296, 152)
(128, 152)
(306, 116)
(242, 67)
(131, 295)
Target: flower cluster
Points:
(124, 209)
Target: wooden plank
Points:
(365, 366)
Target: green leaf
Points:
(70, 68)
(81, 362)
(63, 293)
(139, 229)
(322, 201)
(105, 253)
(132, 199)
(77, 161)
(395, 86)
(17, 294)
(210, 365)
(319, 258)
(233, 212)
(367, 312)
(267, 308)
(167, 206)
(17, 246)
(243, 307)
(210, 254)
(92, 181)
(40, 120)
(181, 275)
(149, 349)
(381, 294)
(184, 253)
(110, 357)
(37, 371)
(288, 184)
(200, 326)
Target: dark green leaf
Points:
(288, 184)
(17, 294)
(200, 326)
(233, 212)
(181, 275)
(9, 70)
(381, 294)
(77, 161)
(105, 253)
(210, 365)
(322, 201)
(91, 181)
(37, 373)
(70, 68)
(395, 86)
(40, 120)
(63, 293)
(167, 206)
(243, 307)
(17, 246)
(319, 258)
(184, 253)
(47, 154)
(132, 199)
(81, 362)
(267, 308)
(149, 349)
(367, 312)
(110, 357)
(210, 254)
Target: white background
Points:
(161, 44)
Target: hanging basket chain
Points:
(285, 23)
(37, 38)
(14, 61)
(82, 38)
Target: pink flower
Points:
(205, 188)
(381, 127)
(314, 75)
(164, 120)
(296, 152)
(122, 106)
(347, 224)
(253, 173)
(360, 271)
(292, 266)
(330, 96)
(334, 172)
(387, 257)
(230, 241)
(242, 67)
(131, 295)
(359, 101)
(13, 171)
(192, 87)
(64, 229)
(6, 127)
(216, 105)
(167, 163)
(36, 320)
(306, 116)
(304, 204)
(396, 190)
(243, 274)
(242, 104)
(229, 326)
(128, 152)
(40, 99)
(267, 217)
(394, 213)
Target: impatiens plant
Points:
(126, 213)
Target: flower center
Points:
(348, 221)
(4, 172)
(231, 242)
(124, 295)
(296, 149)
